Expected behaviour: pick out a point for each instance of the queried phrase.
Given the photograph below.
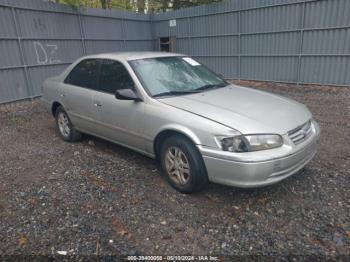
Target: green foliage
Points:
(188, 3)
(105, 4)
(141, 6)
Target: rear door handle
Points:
(97, 104)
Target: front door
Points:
(120, 120)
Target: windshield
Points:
(175, 76)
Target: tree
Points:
(177, 4)
(141, 6)
(104, 4)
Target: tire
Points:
(65, 127)
(183, 165)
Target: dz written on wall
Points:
(46, 53)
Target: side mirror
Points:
(127, 94)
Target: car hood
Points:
(244, 109)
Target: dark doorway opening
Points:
(167, 44)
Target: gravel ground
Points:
(94, 197)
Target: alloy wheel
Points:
(63, 124)
(177, 165)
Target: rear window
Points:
(84, 74)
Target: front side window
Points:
(175, 75)
(114, 76)
(84, 74)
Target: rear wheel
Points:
(183, 165)
(64, 126)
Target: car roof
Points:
(128, 56)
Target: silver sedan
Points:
(198, 126)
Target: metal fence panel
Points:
(182, 27)
(138, 30)
(335, 41)
(249, 4)
(214, 46)
(227, 66)
(269, 68)
(327, 13)
(39, 39)
(7, 28)
(37, 24)
(221, 24)
(326, 69)
(161, 28)
(95, 47)
(183, 45)
(103, 28)
(302, 41)
(270, 44)
(13, 85)
(276, 18)
(9, 53)
(138, 45)
(43, 52)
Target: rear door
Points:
(77, 91)
(119, 120)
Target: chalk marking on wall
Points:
(53, 49)
(45, 53)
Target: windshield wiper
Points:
(206, 87)
(171, 93)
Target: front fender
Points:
(182, 130)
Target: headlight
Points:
(249, 143)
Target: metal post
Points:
(124, 28)
(239, 43)
(189, 36)
(30, 90)
(153, 35)
(301, 42)
(82, 32)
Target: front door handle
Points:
(97, 104)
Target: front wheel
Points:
(183, 165)
(64, 126)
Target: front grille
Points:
(301, 133)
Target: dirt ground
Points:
(93, 197)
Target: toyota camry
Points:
(172, 108)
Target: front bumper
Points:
(261, 168)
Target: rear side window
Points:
(84, 74)
(114, 76)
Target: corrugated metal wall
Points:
(276, 40)
(39, 39)
(301, 41)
